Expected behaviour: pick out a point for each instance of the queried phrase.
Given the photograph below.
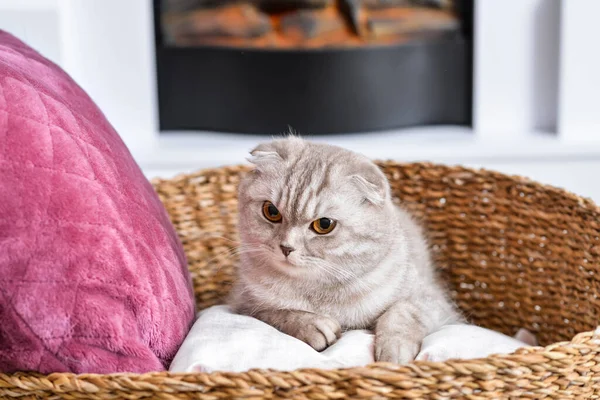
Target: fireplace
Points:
(319, 66)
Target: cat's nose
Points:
(286, 250)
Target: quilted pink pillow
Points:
(92, 275)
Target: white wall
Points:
(579, 118)
(35, 22)
(517, 55)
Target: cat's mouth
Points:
(286, 262)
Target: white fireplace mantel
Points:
(536, 96)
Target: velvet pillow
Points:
(92, 275)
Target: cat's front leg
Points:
(399, 333)
(316, 330)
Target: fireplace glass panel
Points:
(319, 66)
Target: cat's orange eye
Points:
(271, 212)
(323, 226)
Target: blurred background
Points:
(509, 85)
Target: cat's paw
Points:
(319, 332)
(395, 349)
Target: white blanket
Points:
(223, 341)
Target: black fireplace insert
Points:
(319, 66)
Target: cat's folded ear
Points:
(264, 156)
(267, 155)
(372, 184)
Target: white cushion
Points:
(223, 341)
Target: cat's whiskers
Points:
(356, 281)
(330, 268)
(229, 252)
(326, 270)
(320, 262)
(213, 236)
(235, 252)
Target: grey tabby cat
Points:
(324, 249)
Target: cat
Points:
(324, 249)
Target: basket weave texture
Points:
(514, 253)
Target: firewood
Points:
(239, 21)
(310, 24)
(267, 5)
(445, 4)
(408, 21)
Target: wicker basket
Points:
(516, 254)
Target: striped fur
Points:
(372, 271)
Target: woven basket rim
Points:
(582, 200)
(502, 364)
(528, 355)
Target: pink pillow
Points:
(92, 275)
